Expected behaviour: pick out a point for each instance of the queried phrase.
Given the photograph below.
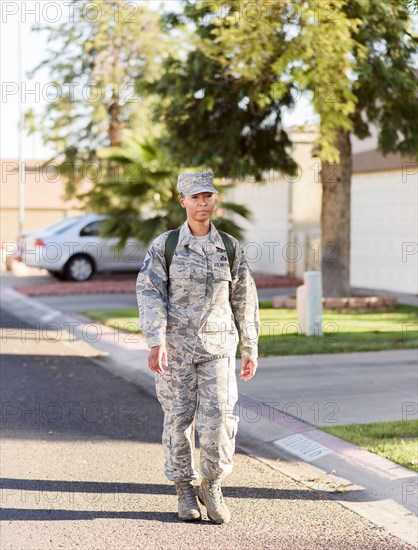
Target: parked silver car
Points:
(73, 249)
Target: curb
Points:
(370, 485)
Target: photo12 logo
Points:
(28, 11)
(53, 92)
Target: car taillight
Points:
(39, 242)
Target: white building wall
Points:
(367, 144)
(283, 237)
(305, 215)
(266, 233)
(384, 232)
(384, 225)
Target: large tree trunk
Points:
(335, 221)
(115, 125)
(115, 136)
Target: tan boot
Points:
(210, 495)
(188, 507)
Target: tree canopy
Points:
(99, 60)
(215, 117)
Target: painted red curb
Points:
(127, 286)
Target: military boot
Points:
(188, 507)
(210, 495)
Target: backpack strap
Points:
(229, 247)
(173, 239)
(170, 246)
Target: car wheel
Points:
(79, 268)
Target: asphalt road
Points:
(81, 466)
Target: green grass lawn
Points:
(342, 332)
(121, 318)
(397, 441)
(280, 334)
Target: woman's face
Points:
(199, 207)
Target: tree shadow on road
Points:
(92, 492)
(28, 514)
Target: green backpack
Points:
(173, 238)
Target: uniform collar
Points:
(187, 238)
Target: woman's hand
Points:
(157, 358)
(248, 368)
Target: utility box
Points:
(309, 303)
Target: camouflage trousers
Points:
(205, 392)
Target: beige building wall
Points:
(43, 198)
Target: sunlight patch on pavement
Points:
(17, 341)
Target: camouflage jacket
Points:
(201, 307)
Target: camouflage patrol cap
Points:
(191, 183)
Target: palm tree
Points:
(142, 201)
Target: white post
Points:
(313, 296)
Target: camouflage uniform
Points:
(197, 316)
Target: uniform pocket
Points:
(164, 389)
(222, 281)
(222, 273)
(179, 286)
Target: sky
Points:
(25, 92)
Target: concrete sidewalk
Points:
(340, 388)
(372, 486)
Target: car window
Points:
(65, 227)
(60, 225)
(92, 229)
